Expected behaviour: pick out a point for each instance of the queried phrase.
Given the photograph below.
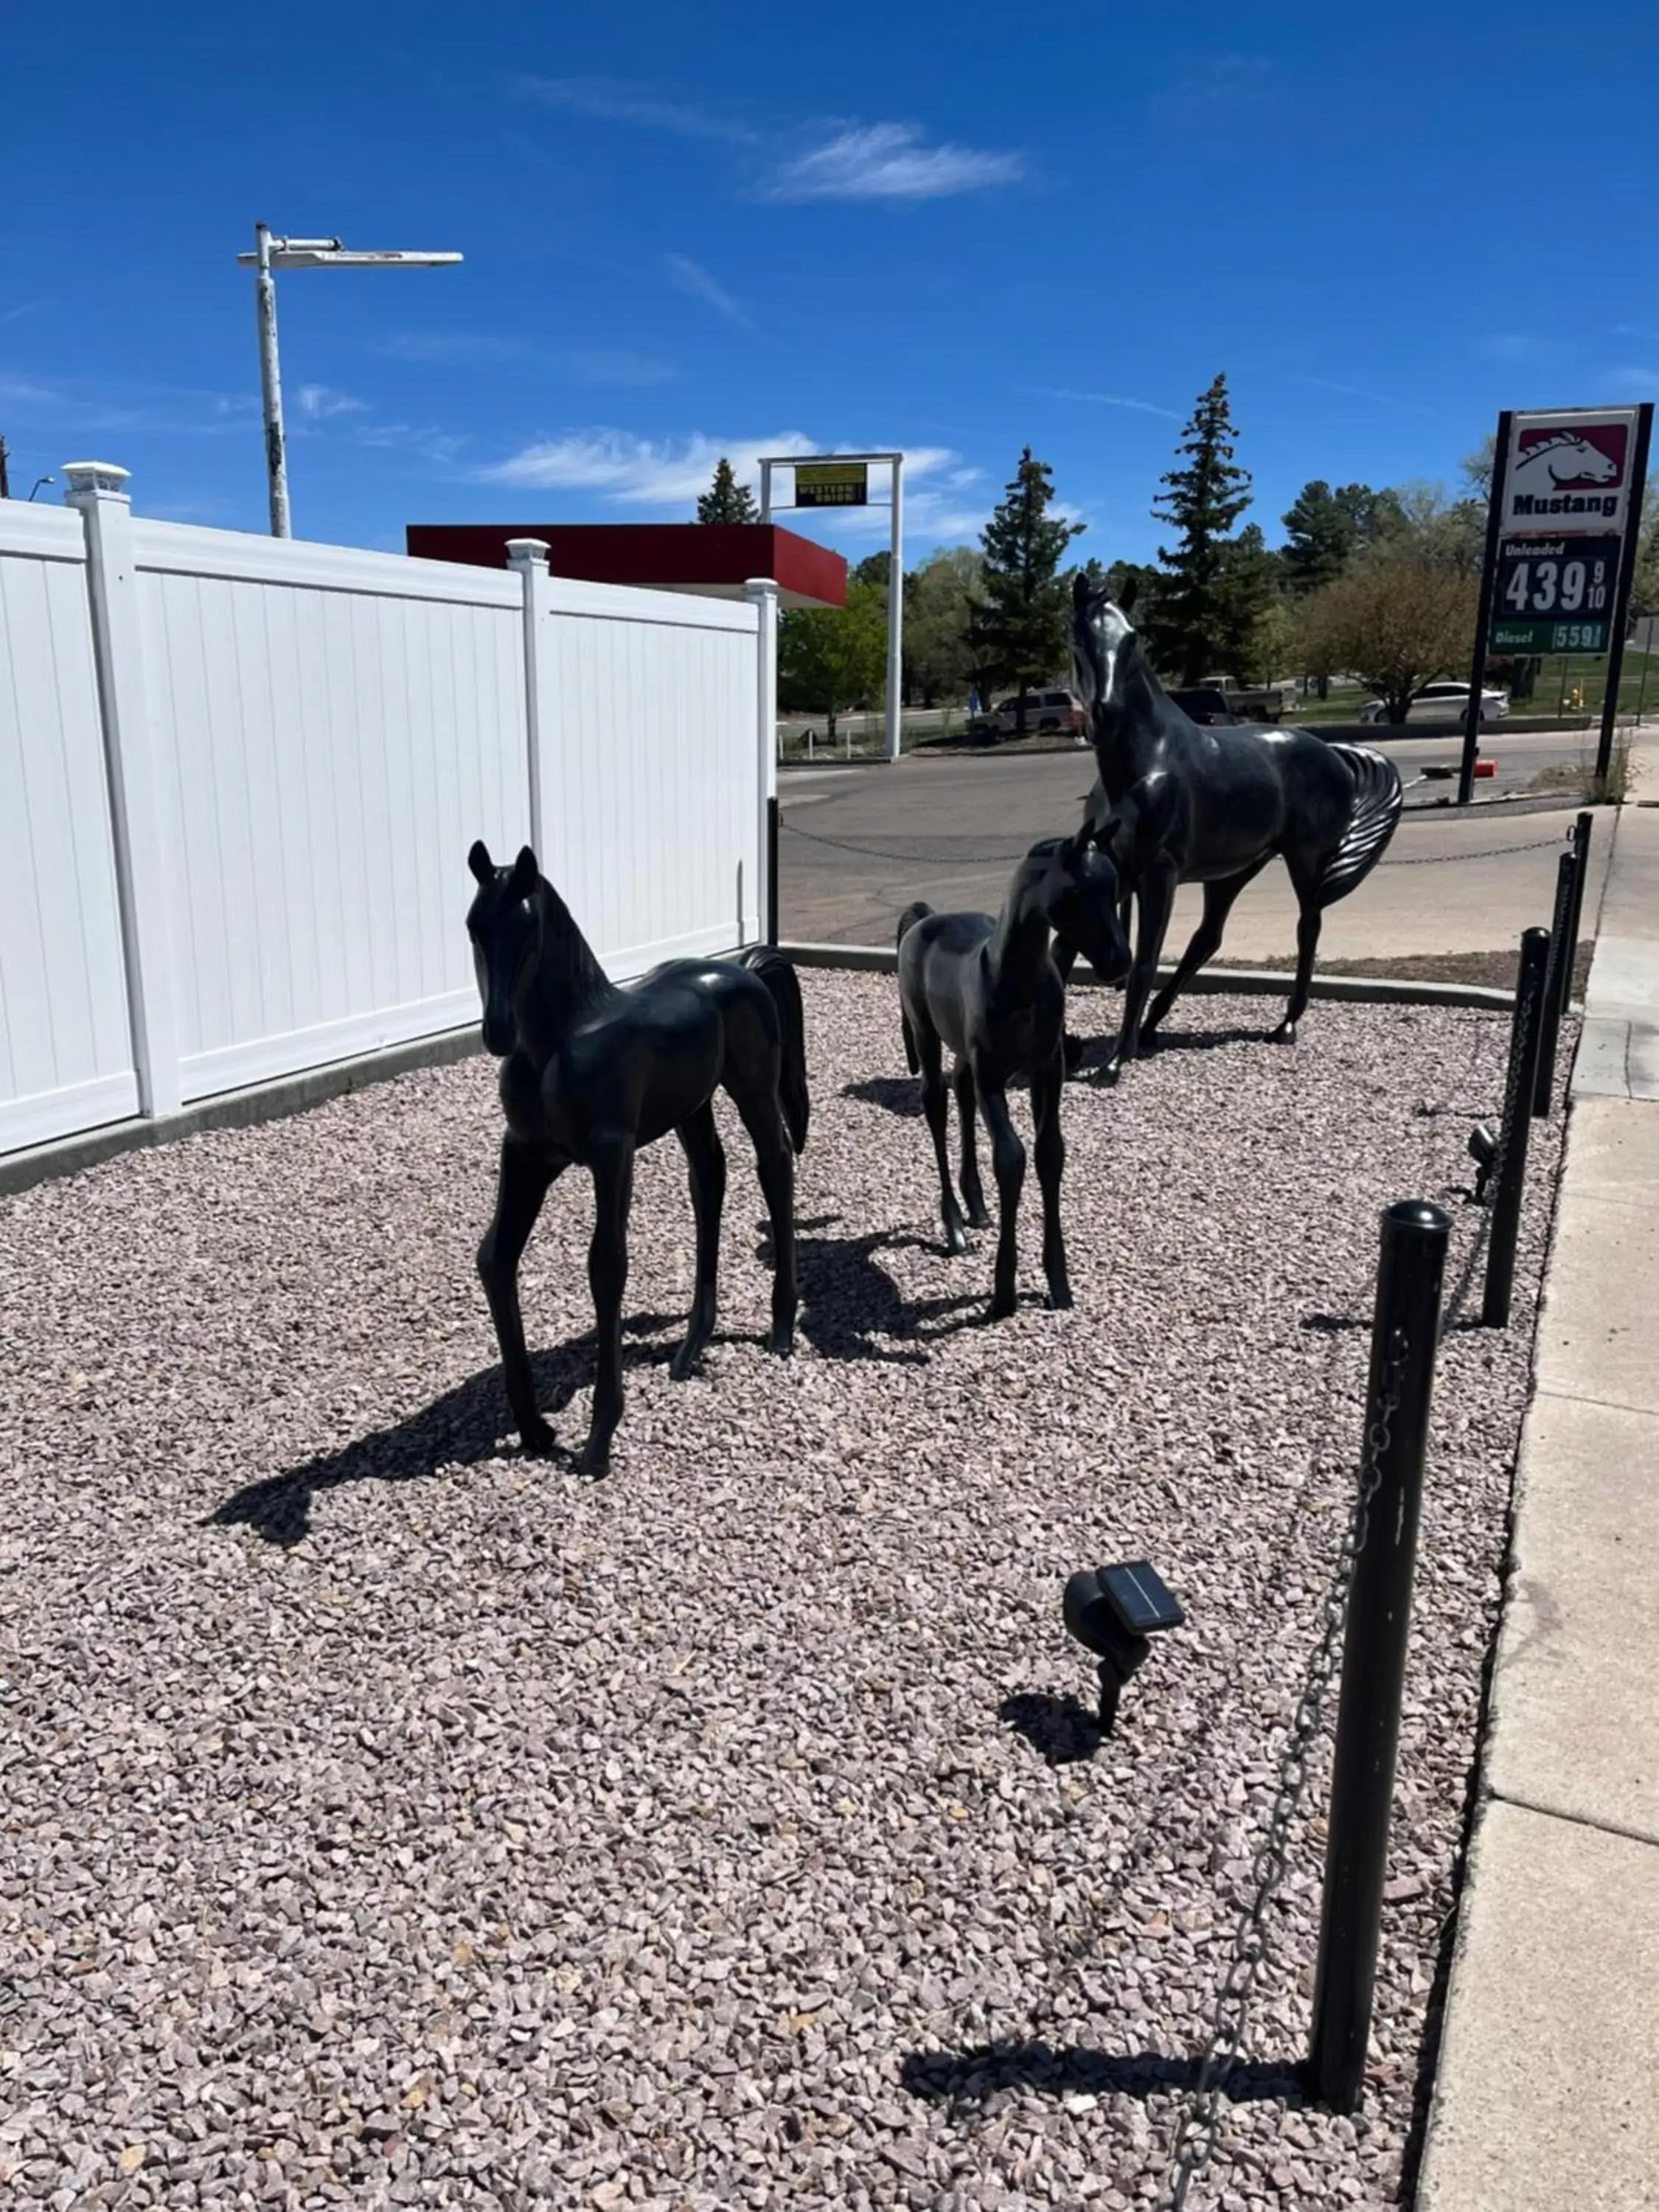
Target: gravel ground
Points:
(389, 1819)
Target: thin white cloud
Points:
(691, 277)
(448, 349)
(320, 403)
(1114, 400)
(629, 471)
(608, 101)
(890, 161)
(23, 308)
(618, 367)
(432, 444)
(1346, 390)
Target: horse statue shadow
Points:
(589, 1073)
(1176, 804)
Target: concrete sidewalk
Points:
(1547, 2092)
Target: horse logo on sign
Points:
(1563, 469)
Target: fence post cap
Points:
(760, 587)
(80, 477)
(1419, 1213)
(527, 552)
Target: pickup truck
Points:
(1254, 702)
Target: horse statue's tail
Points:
(781, 981)
(1378, 799)
(918, 910)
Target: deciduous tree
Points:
(833, 659)
(1397, 619)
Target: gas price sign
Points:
(1554, 594)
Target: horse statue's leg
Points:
(1050, 1150)
(776, 1163)
(1008, 1158)
(935, 1104)
(607, 1275)
(1309, 920)
(1219, 901)
(525, 1177)
(1156, 894)
(700, 1141)
(972, 1191)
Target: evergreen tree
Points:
(1320, 537)
(1017, 629)
(725, 499)
(1254, 630)
(1204, 500)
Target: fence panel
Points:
(334, 729)
(66, 1059)
(651, 771)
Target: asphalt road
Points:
(949, 831)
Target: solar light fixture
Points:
(1483, 1150)
(1114, 1612)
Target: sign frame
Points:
(817, 483)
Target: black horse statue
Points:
(987, 987)
(1179, 804)
(591, 1073)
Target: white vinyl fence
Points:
(240, 777)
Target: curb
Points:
(1223, 982)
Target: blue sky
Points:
(697, 230)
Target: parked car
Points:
(1206, 707)
(1044, 710)
(1442, 702)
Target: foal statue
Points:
(1183, 804)
(987, 987)
(590, 1074)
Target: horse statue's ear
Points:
(479, 861)
(526, 875)
(1081, 589)
(1131, 584)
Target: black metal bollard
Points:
(1405, 1337)
(1513, 1138)
(1555, 999)
(772, 869)
(1581, 848)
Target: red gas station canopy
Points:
(714, 559)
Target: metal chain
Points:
(1198, 2132)
(932, 851)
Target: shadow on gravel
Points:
(465, 1426)
(1060, 1729)
(966, 2077)
(897, 1094)
(851, 1308)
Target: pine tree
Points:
(725, 499)
(1204, 501)
(1017, 629)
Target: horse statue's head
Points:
(505, 924)
(1078, 894)
(1101, 640)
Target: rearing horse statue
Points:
(1176, 804)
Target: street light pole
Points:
(269, 255)
(271, 383)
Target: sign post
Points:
(1562, 533)
(824, 480)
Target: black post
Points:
(5, 477)
(1500, 470)
(1405, 1337)
(1566, 877)
(1581, 847)
(772, 869)
(1525, 1037)
(1621, 597)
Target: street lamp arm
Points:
(310, 256)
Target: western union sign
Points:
(832, 484)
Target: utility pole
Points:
(5, 473)
(269, 255)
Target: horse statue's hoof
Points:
(596, 1457)
(1060, 1300)
(1286, 1033)
(955, 1242)
(536, 1438)
(1074, 1049)
(685, 1362)
(1001, 1309)
(1111, 1072)
(781, 1343)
